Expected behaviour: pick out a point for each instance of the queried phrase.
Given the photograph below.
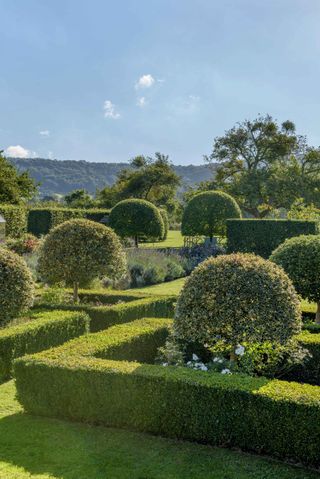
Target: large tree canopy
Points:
(151, 179)
(264, 166)
(15, 187)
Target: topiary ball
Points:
(300, 258)
(206, 214)
(237, 298)
(79, 251)
(16, 286)
(135, 218)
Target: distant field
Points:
(174, 240)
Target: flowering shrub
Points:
(27, 244)
(235, 299)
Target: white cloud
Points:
(110, 110)
(18, 152)
(141, 102)
(44, 133)
(145, 81)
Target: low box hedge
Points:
(45, 330)
(102, 317)
(263, 236)
(93, 379)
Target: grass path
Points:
(174, 240)
(40, 448)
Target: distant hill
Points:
(61, 177)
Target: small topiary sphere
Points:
(79, 251)
(236, 298)
(165, 219)
(16, 286)
(134, 218)
(300, 258)
(206, 214)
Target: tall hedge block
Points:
(41, 220)
(263, 236)
(16, 220)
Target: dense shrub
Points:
(26, 244)
(237, 298)
(257, 414)
(42, 220)
(165, 219)
(79, 251)
(300, 258)
(263, 236)
(43, 331)
(135, 218)
(16, 286)
(148, 267)
(207, 212)
(16, 220)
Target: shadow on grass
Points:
(63, 450)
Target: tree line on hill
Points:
(263, 165)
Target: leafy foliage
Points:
(80, 250)
(300, 258)
(149, 179)
(16, 286)
(237, 298)
(79, 199)
(207, 212)
(134, 218)
(264, 166)
(16, 220)
(15, 187)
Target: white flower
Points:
(203, 367)
(239, 351)
(226, 371)
(189, 363)
(164, 364)
(216, 360)
(195, 357)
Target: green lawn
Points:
(171, 287)
(174, 240)
(39, 448)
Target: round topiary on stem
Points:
(134, 218)
(237, 298)
(16, 286)
(207, 212)
(300, 258)
(79, 251)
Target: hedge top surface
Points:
(207, 212)
(134, 217)
(97, 345)
(80, 250)
(237, 298)
(16, 286)
(41, 319)
(300, 258)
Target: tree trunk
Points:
(318, 314)
(211, 238)
(233, 357)
(136, 242)
(75, 292)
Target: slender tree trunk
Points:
(318, 314)
(136, 242)
(75, 292)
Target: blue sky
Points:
(103, 80)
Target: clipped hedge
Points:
(41, 220)
(85, 381)
(102, 317)
(45, 330)
(16, 220)
(263, 236)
